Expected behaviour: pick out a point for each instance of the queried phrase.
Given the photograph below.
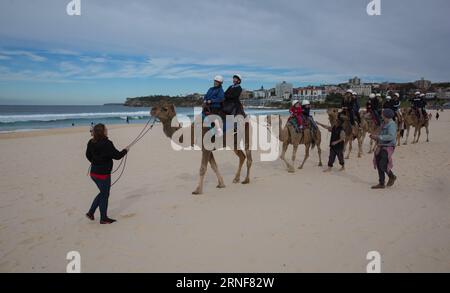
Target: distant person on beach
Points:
(73, 124)
(92, 129)
(386, 142)
(128, 120)
(101, 152)
(437, 115)
(336, 144)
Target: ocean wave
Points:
(72, 116)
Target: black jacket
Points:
(232, 104)
(232, 94)
(101, 155)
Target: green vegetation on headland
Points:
(179, 101)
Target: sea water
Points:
(25, 118)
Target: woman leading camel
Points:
(101, 152)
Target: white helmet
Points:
(306, 103)
(417, 93)
(295, 102)
(378, 95)
(355, 93)
(422, 95)
(238, 76)
(349, 92)
(372, 96)
(218, 78)
(388, 98)
(397, 95)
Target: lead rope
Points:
(141, 135)
(123, 162)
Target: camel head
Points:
(165, 112)
(333, 115)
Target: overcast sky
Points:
(117, 49)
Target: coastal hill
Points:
(179, 101)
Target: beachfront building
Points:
(362, 89)
(261, 93)
(311, 93)
(423, 84)
(354, 81)
(284, 90)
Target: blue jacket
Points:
(216, 96)
(388, 134)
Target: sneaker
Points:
(107, 221)
(90, 216)
(391, 181)
(379, 186)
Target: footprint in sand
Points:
(128, 215)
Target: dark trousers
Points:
(382, 160)
(339, 153)
(101, 200)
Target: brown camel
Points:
(372, 127)
(351, 133)
(289, 136)
(166, 113)
(411, 119)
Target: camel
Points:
(351, 133)
(372, 127)
(411, 119)
(288, 135)
(166, 112)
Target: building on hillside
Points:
(261, 93)
(312, 93)
(423, 84)
(284, 90)
(354, 81)
(362, 89)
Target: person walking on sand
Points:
(437, 115)
(336, 144)
(386, 142)
(101, 152)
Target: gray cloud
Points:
(326, 38)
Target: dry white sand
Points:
(302, 222)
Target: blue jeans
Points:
(101, 200)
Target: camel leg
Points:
(360, 143)
(249, 166)
(204, 166)
(307, 146)
(416, 131)
(241, 155)
(350, 147)
(319, 152)
(213, 163)
(283, 157)
(407, 135)
(428, 133)
(294, 154)
(418, 134)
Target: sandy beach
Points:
(303, 222)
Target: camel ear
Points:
(172, 107)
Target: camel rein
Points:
(123, 161)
